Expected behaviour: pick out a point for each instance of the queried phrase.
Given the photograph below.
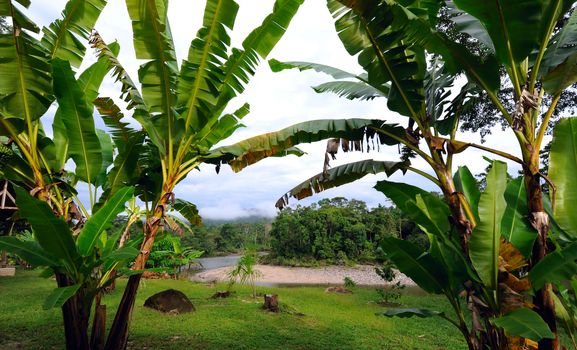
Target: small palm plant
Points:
(245, 271)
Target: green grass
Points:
(331, 321)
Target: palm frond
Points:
(339, 176)
(25, 73)
(201, 74)
(61, 36)
(351, 134)
(366, 28)
(112, 117)
(351, 90)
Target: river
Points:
(218, 261)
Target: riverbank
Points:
(363, 275)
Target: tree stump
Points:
(221, 294)
(271, 302)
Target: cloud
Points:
(225, 211)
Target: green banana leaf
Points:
(102, 220)
(562, 170)
(562, 76)
(340, 175)
(201, 75)
(25, 73)
(514, 26)
(252, 150)
(466, 183)
(188, 210)
(562, 43)
(59, 296)
(29, 251)
(63, 37)
(429, 212)
(515, 227)
(362, 88)
(556, 267)
(524, 323)
(367, 30)
(418, 265)
(52, 232)
(485, 240)
(84, 146)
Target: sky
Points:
(277, 100)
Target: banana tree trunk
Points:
(118, 335)
(491, 336)
(76, 315)
(540, 221)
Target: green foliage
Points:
(169, 254)
(485, 241)
(102, 220)
(349, 282)
(52, 233)
(562, 166)
(163, 253)
(419, 265)
(335, 230)
(392, 291)
(405, 313)
(245, 270)
(525, 323)
(514, 227)
(59, 296)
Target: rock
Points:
(340, 290)
(170, 301)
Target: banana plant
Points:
(181, 111)
(530, 43)
(71, 237)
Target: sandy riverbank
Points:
(361, 274)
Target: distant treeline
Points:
(336, 230)
(222, 238)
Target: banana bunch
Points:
(6, 154)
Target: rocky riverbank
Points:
(363, 275)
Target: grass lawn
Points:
(331, 321)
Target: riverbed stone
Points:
(170, 301)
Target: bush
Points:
(349, 283)
(388, 295)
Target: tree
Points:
(413, 64)
(332, 229)
(181, 113)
